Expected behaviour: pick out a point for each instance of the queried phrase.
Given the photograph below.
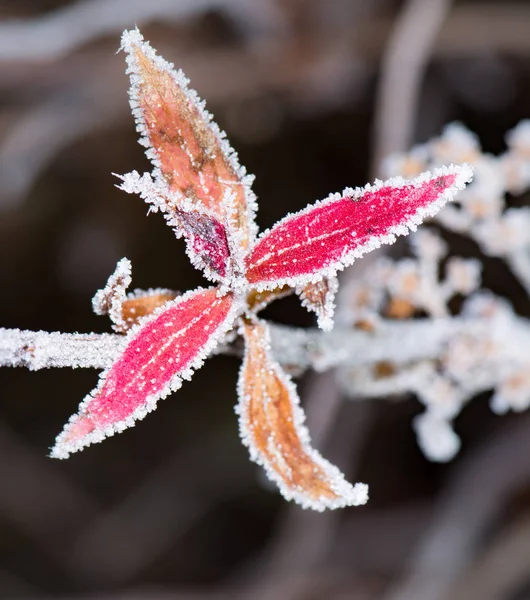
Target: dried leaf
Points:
(164, 349)
(329, 235)
(319, 298)
(271, 426)
(141, 303)
(126, 310)
(184, 143)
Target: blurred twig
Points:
(405, 58)
(398, 342)
(55, 34)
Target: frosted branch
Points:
(40, 349)
(397, 342)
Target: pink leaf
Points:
(160, 352)
(207, 241)
(329, 235)
(206, 236)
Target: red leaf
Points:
(207, 241)
(271, 425)
(206, 236)
(182, 140)
(159, 354)
(329, 235)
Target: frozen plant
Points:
(206, 197)
(481, 346)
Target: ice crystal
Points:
(205, 196)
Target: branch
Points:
(396, 342)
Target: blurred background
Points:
(312, 94)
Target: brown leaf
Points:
(319, 298)
(184, 143)
(142, 304)
(271, 425)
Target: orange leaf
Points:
(271, 425)
(184, 143)
(143, 303)
(125, 310)
(319, 298)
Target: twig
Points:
(398, 342)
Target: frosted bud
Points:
(436, 437)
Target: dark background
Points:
(173, 508)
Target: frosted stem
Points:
(397, 342)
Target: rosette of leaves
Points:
(206, 197)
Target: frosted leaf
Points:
(485, 304)
(436, 437)
(319, 298)
(183, 142)
(271, 426)
(159, 353)
(329, 235)
(206, 237)
(126, 310)
(140, 303)
(109, 300)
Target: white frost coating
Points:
(329, 287)
(42, 349)
(63, 448)
(348, 495)
(109, 300)
(133, 39)
(464, 175)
